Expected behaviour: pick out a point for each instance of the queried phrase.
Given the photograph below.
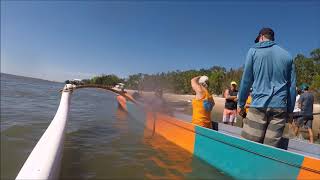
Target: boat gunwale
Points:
(247, 150)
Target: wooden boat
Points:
(224, 149)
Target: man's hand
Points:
(242, 112)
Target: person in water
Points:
(230, 106)
(305, 101)
(270, 71)
(203, 103)
(159, 104)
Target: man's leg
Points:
(255, 125)
(310, 135)
(277, 120)
(292, 128)
(298, 123)
(296, 131)
(309, 126)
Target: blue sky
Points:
(78, 39)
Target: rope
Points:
(108, 88)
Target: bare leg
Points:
(226, 117)
(292, 128)
(310, 135)
(296, 130)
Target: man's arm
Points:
(292, 89)
(247, 80)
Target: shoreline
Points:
(184, 105)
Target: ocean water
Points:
(102, 142)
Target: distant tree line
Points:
(107, 80)
(307, 69)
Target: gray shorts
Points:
(264, 125)
(304, 122)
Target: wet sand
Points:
(183, 103)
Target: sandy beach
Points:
(183, 103)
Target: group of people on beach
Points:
(266, 98)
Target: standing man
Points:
(270, 71)
(305, 101)
(203, 103)
(294, 121)
(230, 106)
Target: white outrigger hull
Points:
(45, 159)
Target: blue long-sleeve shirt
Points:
(270, 71)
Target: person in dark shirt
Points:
(230, 107)
(306, 105)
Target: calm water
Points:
(101, 141)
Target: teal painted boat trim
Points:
(242, 159)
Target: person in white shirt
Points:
(292, 123)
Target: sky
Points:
(61, 40)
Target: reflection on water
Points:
(101, 140)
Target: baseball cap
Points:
(233, 83)
(304, 86)
(265, 31)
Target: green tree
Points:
(305, 69)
